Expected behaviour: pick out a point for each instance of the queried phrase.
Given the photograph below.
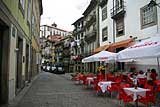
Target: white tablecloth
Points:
(136, 92)
(104, 85)
(90, 79)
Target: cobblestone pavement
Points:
(51, 90)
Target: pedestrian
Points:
(153, 75)
(148, 74)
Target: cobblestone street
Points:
(50, 90)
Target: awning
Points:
(101, 48)
(123, 43)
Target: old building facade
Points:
(16, 45)
(122, 23)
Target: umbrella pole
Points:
(121, 66)
(105, 77)
(158, 66)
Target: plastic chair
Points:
(142, 82)
(150, 98)
(110, 77)
(150, 95)
(100, 77)
(125, 97)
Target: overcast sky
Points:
(63, 12)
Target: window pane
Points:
(104, 13)
(148, 15)
(104, 33)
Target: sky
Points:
(63, 12)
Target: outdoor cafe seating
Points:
(144, 92)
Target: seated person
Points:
(153, 75)
(141, 74)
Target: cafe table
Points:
(89, 80)
(135, 92)
(104, 84)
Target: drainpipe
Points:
(113, 25)
(98, 34)
(113, 33)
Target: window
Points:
(82, 35)
(148, 16)
(22, 6)
(105, 34)
(104, 13)
(33, 25)
(119, 3)
(120, 26)
(29, 11)
(22, 3)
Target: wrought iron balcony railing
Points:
(118, 11)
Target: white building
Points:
(122, 21)
(47, 30)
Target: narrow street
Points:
(51, 90)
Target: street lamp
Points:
(153, 3)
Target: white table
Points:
(136, 92)
(104, 84)
(89, 80)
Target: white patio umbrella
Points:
(104, 56)
(101, 56)
(149, 48)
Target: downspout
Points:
(113, 34)
(98, 34)
(113, 25)
(30, 61)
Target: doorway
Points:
(19, 82)
(4, 60)
(27, 61)
(1, 51)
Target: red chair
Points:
(96, 87)
(110, 77)
(100, 76)
(124, 96)
(150, 98)
(158, 88)
(142, 82)
(85, 81)
(129, 81)
(157, 83)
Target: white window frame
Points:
(148, 16)
(105, 33)
(22, 2)
(104, 13)
(29, 11)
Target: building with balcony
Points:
(77, 44)
(91, 26)
(68, 66)
(124, 22)
(119, 24)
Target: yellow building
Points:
(16, 26)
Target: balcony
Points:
(82, 42)
(118, 11)
(66, 45)
(66, 53)
(90, 21)
(90, 37)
